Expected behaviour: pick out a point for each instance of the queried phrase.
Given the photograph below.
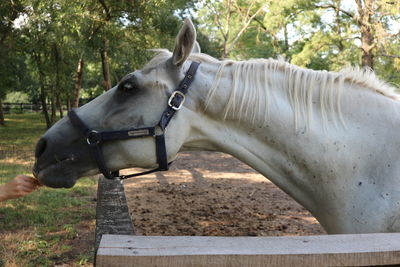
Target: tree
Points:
(373, 19)
(230, 20)
(9, 12)
(64, 43)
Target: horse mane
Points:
(251, 80)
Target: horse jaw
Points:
(57, 175)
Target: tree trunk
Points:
(286, 36)
(338, 28)
(68, 103)
(53, 109)
(59, 106)
(367, 41)
(365, 21)
(105, 65)
(227, 32)
(78, 83)
(44, 104)
(42, 90)
(1, 113)
(57, 91)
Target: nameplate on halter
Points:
(139, 132)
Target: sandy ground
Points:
(216, 195)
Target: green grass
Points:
(50, 226)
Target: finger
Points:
(37, 182)
(33, 180)
(23, 178)
(28, 182)
(23, 188)
(33, 186)
(26, 188)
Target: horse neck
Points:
(273, 100)
(311, 154)
(251, 121)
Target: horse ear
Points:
(196, 48)
(184, 43)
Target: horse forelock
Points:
(161, 55)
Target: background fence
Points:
(12, 108)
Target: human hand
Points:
(18, 187)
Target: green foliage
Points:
(17, 97)
(13, 70)
(388, 65)
(51, 36)
(40, 55)
(317, 34)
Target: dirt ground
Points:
(214, 194)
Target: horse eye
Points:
(126, 86)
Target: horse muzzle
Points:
(54, 167)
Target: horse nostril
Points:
(40, 147)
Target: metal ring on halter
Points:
(93, 137)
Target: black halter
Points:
(95, 138)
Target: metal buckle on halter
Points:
(93, 137)
(172, 100)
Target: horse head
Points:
(138, 101)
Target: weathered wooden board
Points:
(112, 213)
(176, 251)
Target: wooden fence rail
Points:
(9, 108)
(207, 251)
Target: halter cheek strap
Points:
(94, 139)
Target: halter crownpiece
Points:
(94, 139)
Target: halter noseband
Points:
(95, 138)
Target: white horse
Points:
(330, 140)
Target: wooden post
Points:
(179, 251)
(112, 214)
